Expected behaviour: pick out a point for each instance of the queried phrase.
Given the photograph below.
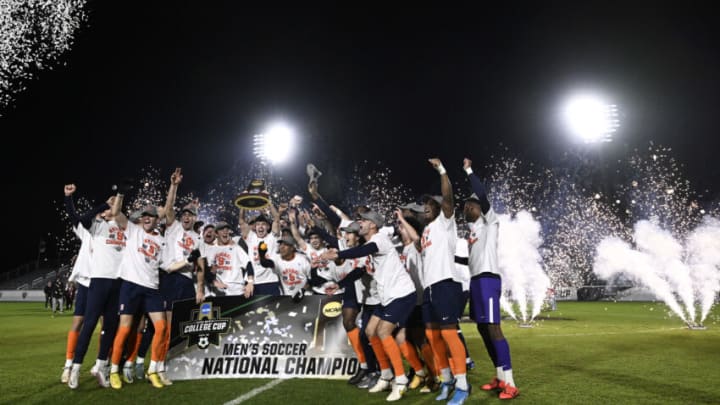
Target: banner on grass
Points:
(259, 337)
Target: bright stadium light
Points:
(590, 119)
(275, 144)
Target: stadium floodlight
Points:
(274, 145)
(590, 119)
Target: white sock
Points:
(140, 360)
(363, 366)
(153, 367)
(100, 364)
(445, 374)
(76, 366)
(509, 378)
(461, 382)
(420, 373)
(500, 373)
(114, 368)
(161, 366)
(386, 374)
(401, 379)
(128, 363)
(68, 363)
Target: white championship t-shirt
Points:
(262, 275)
(438, 251)
(482, 243)
(294, 273)
(142, 257)
(81, 269)
(230, 260)
(393, 281)
(412, 259)
(108, 244)
(180, 243)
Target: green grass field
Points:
(583, 353)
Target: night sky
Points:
(187, 84)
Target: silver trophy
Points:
(313, 173)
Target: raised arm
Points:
(407, 232)
(275, 228)
(116, 211)
(448, 204)
(477, 186)
(175, 180)
(87, 218)
(242, 224)
(292, 218)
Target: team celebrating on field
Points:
(404, 286)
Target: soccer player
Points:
(413, 336)
(397, 294)
(266, 282)
(292, 268)
(232, 267)
(486, 283)
(79, 275)
(176, 278)
(108, 244)
(139, 291)
(443, 299)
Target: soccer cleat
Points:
(102, 379)
(140, 371)
(470, 364)
(74, 379)
(381, 385)
(416, 382)
(129, 374)
(154, 379)
(509, 392)
(354, 380)
(369, 380)
(460, 396)
(94, 369)
(65, 376)
(115, 381)
(164, 378)
(432, 384)
(445, 389)
(495, 384)
(398, 390)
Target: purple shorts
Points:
(485, 290)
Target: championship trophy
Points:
(254, 197)
(313, 173)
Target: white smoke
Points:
(525, 282)
(703, 258)
(679, 274)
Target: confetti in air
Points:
(674, 249)
(570, 231)
(372, 186)
(34, 34)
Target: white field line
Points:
(250, 394)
